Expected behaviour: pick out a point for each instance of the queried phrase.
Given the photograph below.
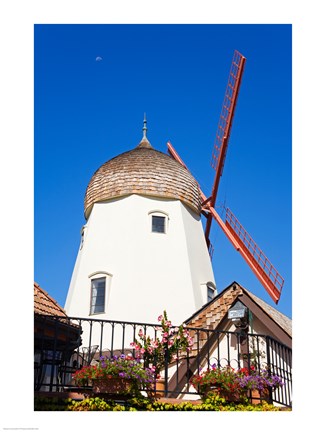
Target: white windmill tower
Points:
(143, 248)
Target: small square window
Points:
(158, 224)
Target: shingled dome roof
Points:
(142, 171)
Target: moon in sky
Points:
(98, 58)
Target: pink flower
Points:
(160, 318)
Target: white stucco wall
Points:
(146, 272)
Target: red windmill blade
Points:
(243, 243)
(259, 263)
(224, 128)
(238, 236)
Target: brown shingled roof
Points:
(44, 304)
(282, 320)
(212, 313)
(142, 171)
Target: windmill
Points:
(238, 236)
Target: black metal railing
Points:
(64, 345)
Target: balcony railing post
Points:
(166, 367)
(269, 364)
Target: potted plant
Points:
(234, 385)
(260, 383)
(222, 381)
(116, 375)
(171, 343)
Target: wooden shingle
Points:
(143, 171)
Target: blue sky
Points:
(88, 111)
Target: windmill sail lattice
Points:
(224, 127)
(262, 267)
(227, 113)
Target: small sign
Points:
(237, 311)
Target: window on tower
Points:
(158, 224)
(210, 291)
(98, 294)
(158, 221)
(82, 236)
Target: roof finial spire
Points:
(145, 142)
(144, 127)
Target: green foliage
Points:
(51, 404)
(93, 404)
(213, 403)
(140, 403)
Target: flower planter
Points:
(238, 383)
(114, 385)
(227, 395)
(159, 388)
(259, 395)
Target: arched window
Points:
(159, 221)
(211, 289)
(99, 292)
(208, 291)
